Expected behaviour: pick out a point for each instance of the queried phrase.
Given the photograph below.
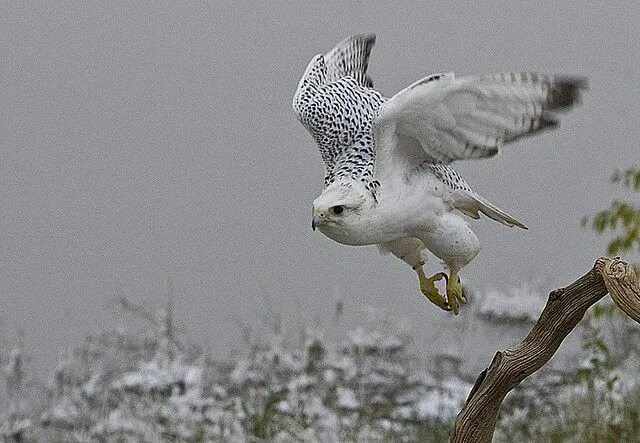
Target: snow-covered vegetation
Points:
(152, 386)
(361, 385)
(517, 304)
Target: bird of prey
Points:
(387, 176)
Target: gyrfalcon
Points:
(387, 176)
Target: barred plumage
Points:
(387, 174)
(335, 102)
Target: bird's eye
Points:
(337, 210)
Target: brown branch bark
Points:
(563, 311)
(622, 284)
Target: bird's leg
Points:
(429, 289)
(454, 292)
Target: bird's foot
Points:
(454, 292)
(429, 289)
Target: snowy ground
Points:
(151, 386)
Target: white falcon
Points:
(387, 176)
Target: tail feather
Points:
(475, 203)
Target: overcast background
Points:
(147, 141)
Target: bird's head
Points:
(340, 207)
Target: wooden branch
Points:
(622, 283)
(562, 313)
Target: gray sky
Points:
(146, 140)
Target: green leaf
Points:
(630, 175)
(613, 222)
(597, 311)
(600, 221)
(613, 247)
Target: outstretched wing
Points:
(333, 98)
(350, 58)
(440, 119)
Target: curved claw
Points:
(429, 289)
(454, 292)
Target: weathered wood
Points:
(562, 313)
(622, 283)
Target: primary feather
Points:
(335, 102)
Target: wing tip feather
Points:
(566, 91)
(520, 225)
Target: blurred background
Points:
(149, 151)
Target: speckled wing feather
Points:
(441, 119)
(350, 58)
(335, 103)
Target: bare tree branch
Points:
(622, 284)
(562, 313)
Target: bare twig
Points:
(137, 310)
(563, 311)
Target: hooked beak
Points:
(315, 221)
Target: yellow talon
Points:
(429, 289)
(454, 292)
